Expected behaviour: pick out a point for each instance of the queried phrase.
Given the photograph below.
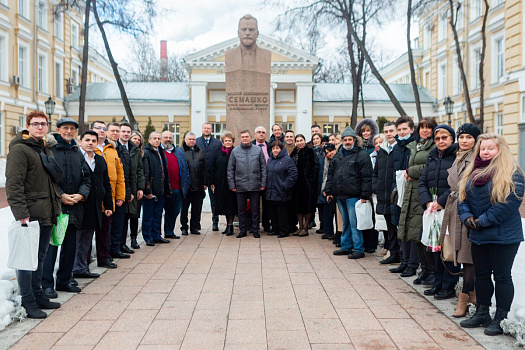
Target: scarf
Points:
(66, 144)
(479, 165)
(227, 150)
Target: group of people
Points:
(111, 174)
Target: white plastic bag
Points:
(380, 219)
(363, 211)
(431, 228)
(400, 185)
(23, 246)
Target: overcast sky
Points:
(192, 25)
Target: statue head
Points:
(248, 31)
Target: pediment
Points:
(283, 55)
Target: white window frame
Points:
(442, 26)
(496, 3)
(42, 70)
(427, 37)
(4, 56)
(174, 128)
(457, 82)
(22, 121)
(498, 58)
(59, 25)
(286, 126)
(498, 123)
(23, 65)
(42, 14)
(522, 114)
(58, 71)
(442, 79)
(75, 34)
(75, 76)
(23, 8)
(476, 61)
(458, 123)
(217, 129)
(2, 133)
(330, 128)
(475, 7)
(459, 18)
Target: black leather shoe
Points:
(445, 294)
(393, 259)
(342, 252)
(73, 282)
(68, 288)
(134, 244)
(184, 232)
(161, 240)
(119, 255)
(399, 269)
(422, 276)
(283, 235)
(46, 304)
(172, 236)
(356, 255)
(215, 227)
(256, 235)
(108, 265)
(338, 245)
(86, 274)
(32, 309)
(126, 249)
(319, 231)
(241, 235)
(150, 243)
(429, 280)
(195, 232)
(49, 293)
(409, 272)
(432, 291)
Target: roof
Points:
(328, 92)
(136, 91)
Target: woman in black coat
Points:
(305, 189)
(225, 199)
(137, 139)
(433, 191)
(282, 175)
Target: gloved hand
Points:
(472, 223)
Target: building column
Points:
(273, 86)
(303, 119)
(199, 101)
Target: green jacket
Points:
(411, 218)
(30, 190)
(138, 183)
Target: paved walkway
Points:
(215, 292)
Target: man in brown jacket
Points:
(32, 195)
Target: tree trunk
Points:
(85, 62)
(411, 64)
(114, 65)
(355, 82)
(481, 66)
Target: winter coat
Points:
(321, 176)
(247, 169)
(305, 189)
(31, 193)
(125, 160)
(501, 222)
(350, 176)
(225, 199)
(210, 152)
(184, 173)
(99, 193)
(199, 175)
(451, 221)
(272, 139)
(75, 175)
(411, 217)
(137, 181)
(282, 176)
(383, 178)
(155, 183)
(115, 171)
(368, 144)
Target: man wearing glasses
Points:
(32, 195)
(260, 141)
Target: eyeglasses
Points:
(100, 128)
(260, 132)
(37, 125)
(444, 138)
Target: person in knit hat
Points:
(469, 129)
(349, 180)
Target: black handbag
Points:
(50, 165)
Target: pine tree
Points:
(381, 121)
(149, 129)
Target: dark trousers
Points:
(125, 225)
(102, 241)
(328, 218)
(391, 242)
(30, 282)
(152, 218)
(497, 260)
(292, 217)
(115, 229)
(214, 216)
(409, 254)
(172, 206)
(370, 239)
(84, 242)
(443, 273)
(134, 222)
(278, 212)
(265, 217)
(242, 197)
(65, 263)
(193, 198)
(426, 258)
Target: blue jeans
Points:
(171, 211)
(351, 238)
(152, 218)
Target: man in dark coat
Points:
(100, 192)
(179, 181)
(211, 147)
(350, 180)
(32, 194)
(199, 176)
(277, 134)
(157, 189)
(136, 183)
(260, 141)
(74, 190)
(383, 182)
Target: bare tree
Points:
(411, 63)
(85, 62)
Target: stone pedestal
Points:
(247, 90)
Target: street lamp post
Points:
(449, 108)
(50, 107)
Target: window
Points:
(217, 129)
(58, 80)
(427, 36)
(458, 123)
(475, 67)
(500, 59)
(2, 128)
(174, 128)
(522, 108)
(23, 8)
(458, 83)
(286, 126)
(74, 34)
(498, 124)
(42, 15)
(23, 65)
(497, 2)
(74, 77)
(476, 9)
(22, 121)
(442, 80)
(4, 57)
(59, 26)
(42, 73)
(459, 18)
(442, 27)
(330, 128)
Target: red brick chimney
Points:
(163, 60)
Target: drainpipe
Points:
(35, 55)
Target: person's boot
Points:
(422, 276)
(462, 305)
(226, 230)
(495, 327)
(481, 318)
(134, 244)
(472, 298)
(429, 281)
(230, 230)
(32, 309)
(337, 238)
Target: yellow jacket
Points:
(115, 171)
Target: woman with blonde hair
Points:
(490, 195)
